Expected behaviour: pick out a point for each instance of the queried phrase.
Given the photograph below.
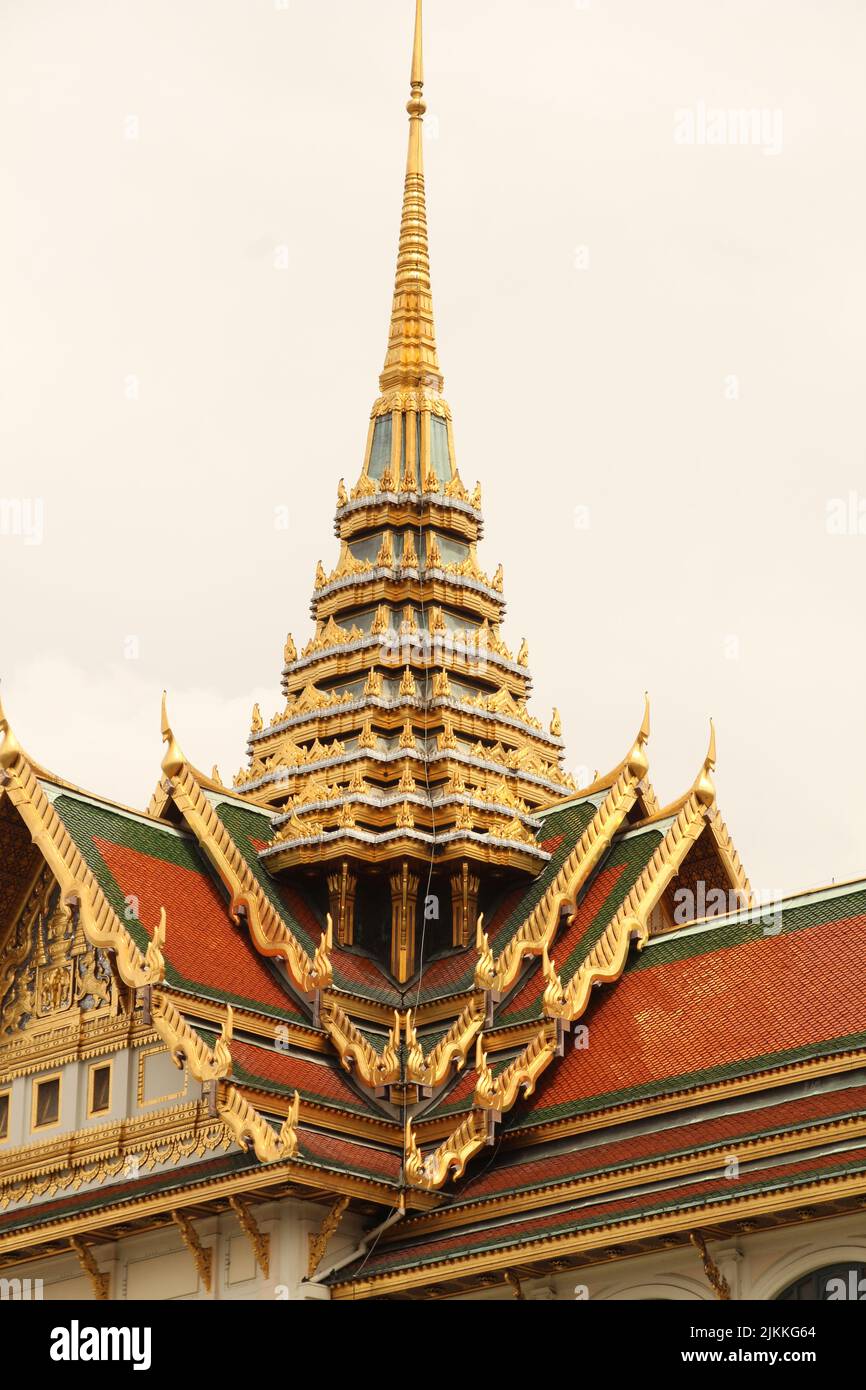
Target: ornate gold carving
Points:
(102, 1152)
(542, 923)
(252, 1131)
(606, 961)
(409, 481)
(342, 887)
(464, 903)
(404, 894)
(203, 1258)
(519, 1078)
(318, 1244)
(450, 1053)
(434, 554)
(186, 1047)
(366, 487)
(356, 1054)
(430, 1172)
(409, 559)
(382, 621)
(447, 740)
(718, 1283)
(367, 739)
(259, 1240)
(329, 634)
(247, 901)
(455, 488)
(705, 788)
(99, 1282)
(374, 684)
(485, 969)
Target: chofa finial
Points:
(10, 748)
(705, 787)
(638, 762)
(173, 759)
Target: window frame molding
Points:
(106, 1064)
(6, 1093)
(42, 1081)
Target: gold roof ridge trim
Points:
(270, 934)
(450, 1053)
(358, 1056)
(542, 923)
(430, 1172)
(209, 1066)
(78, 884)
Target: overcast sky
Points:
(651, 323)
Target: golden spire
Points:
(412, 360)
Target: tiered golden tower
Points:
(405, 770)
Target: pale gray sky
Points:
(164, 386)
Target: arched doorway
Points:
(834, 1283)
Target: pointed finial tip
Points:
(416, 106)
(418, 47)
(646, 725)
(173, 760)
(9, 747)
(638, 762)
(705, 787)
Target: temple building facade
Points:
(403, 1013)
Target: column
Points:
(464, 905)
(341, 891)
(404, 900)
